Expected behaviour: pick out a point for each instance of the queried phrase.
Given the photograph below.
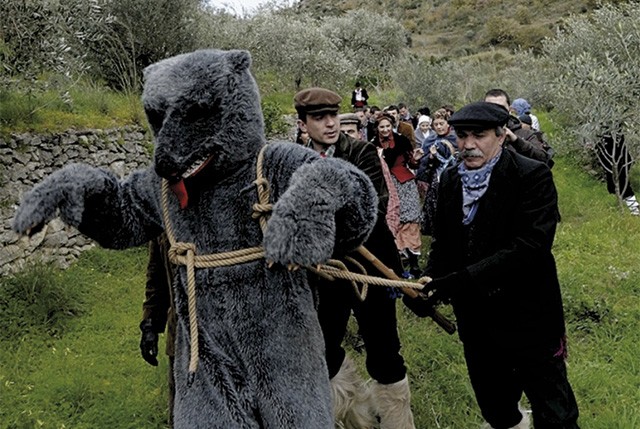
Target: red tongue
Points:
(180, 191)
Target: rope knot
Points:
(179, 252)
(261, 210)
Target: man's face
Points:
(394, 114)
(403, 111)
(350, 130)
(477, 147)
(323, 128)
(500, 100)
(362, 116)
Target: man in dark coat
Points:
(318, 115)
(524, 141)
(158, 311)
(491, 257)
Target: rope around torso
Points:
(181, 253)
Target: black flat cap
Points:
(480, 115)
(317, 100)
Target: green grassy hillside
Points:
(80, 367)
(441, 28)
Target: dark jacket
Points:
(529, 143)
(402, 148)
(512, 289)
(158, 303)
(365, 97)
(405, 129)
(364, 155)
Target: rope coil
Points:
(185, 254)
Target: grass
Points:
(91, 376)
(84, 370)
(49, 111)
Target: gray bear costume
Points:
(261, 353)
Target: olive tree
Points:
(298, 48)
(592, 73)
(295, 49)
(46, 37)
(459, 81)
(139, 33)
(373, 43)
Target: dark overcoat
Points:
(512, 286)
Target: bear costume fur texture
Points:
(261, 352)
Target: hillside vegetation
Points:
(440, 28)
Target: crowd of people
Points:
(478, 182)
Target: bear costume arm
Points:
(329, 208)
(117, 214)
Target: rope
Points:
(181, 253)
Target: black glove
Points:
(149, 342)
(441, 288)
(421, 306)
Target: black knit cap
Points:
(525, 119)
(481, 115)
(317, 100)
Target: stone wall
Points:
(26, 159)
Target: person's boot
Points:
(351, 398)
(525, 423)
(393, 404)
(632, 204)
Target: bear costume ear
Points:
(239, 60)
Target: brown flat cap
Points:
(317, 100)
(349, 118)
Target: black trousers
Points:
(172, 390)
(377, 324)
(500, 376)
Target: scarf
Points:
(474, 185)
(327, 153)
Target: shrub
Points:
(274, 123)
(36, 301)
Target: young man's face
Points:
(477, 147)
(441, 126)
(350, 130)
(500, 100)
(323, 128)
(362, 116)
(403, 111)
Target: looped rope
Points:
(181, 253)
(331, 272)
(262, 209)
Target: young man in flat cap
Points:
(389, 394)
(491, 257)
